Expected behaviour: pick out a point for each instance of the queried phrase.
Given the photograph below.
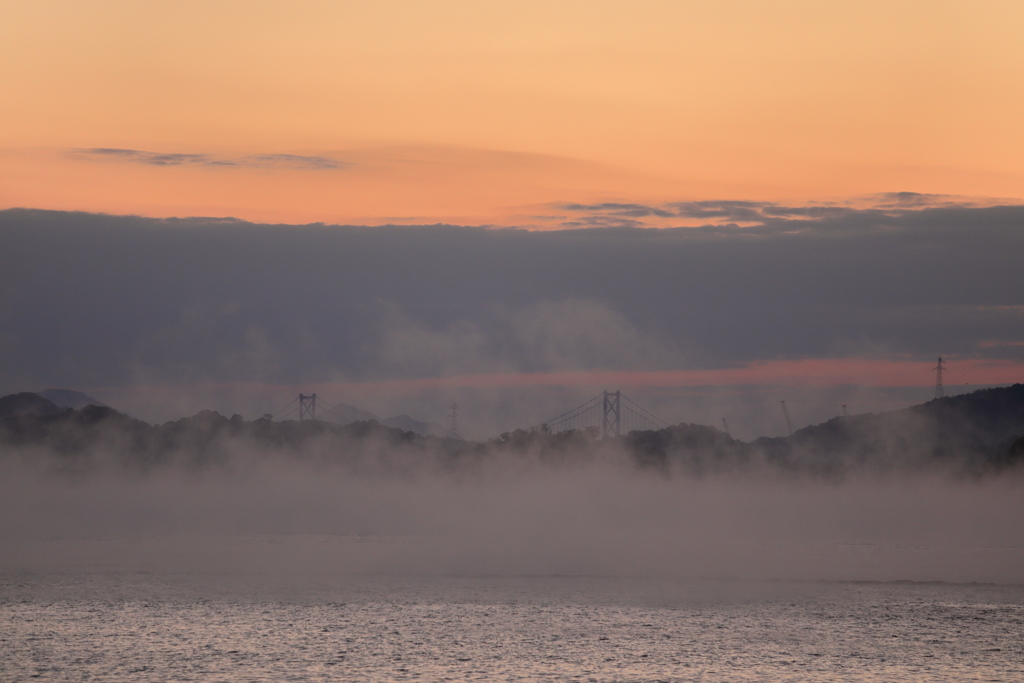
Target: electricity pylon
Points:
(453, 422)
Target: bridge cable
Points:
(578, 409)
(651, 416)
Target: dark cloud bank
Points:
(88, 297)
(106, 301)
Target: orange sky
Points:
(491, 112)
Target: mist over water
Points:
(264, 567)
(395, 514)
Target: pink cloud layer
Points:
(803, 372)
(809, 372)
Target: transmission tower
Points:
(940, 390)
(725, 426)
(845, 413)
(453, 422)
(307, 407)
(612, 414)
(785, 411)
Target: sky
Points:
(499, 112)
(715, 204)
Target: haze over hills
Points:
(68, 398)
(343, 414)
(974, 425)
(26, 403)
(971, 433)
(410, 424)
(45, 402)
(52, 401)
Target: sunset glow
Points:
(494, 113)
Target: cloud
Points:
(914, 200)
(293, 161)
(546, 336)
(611, 215)
(736, 211)
(89, 300)
(752, 213)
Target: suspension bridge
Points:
(303, 407)
(611, 412)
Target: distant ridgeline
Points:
(977, 433)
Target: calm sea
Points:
(97, 617)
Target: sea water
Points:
(128, 612)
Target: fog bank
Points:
(600, 517)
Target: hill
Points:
(26, 403)
(981, 432)
(68, 398)
(409, 424)
(972, 431)
(96, 436)
(343, 414)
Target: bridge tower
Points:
(940, 390)
(612, 414)
(307, 407)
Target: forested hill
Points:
(972, 430)
(972, 433)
